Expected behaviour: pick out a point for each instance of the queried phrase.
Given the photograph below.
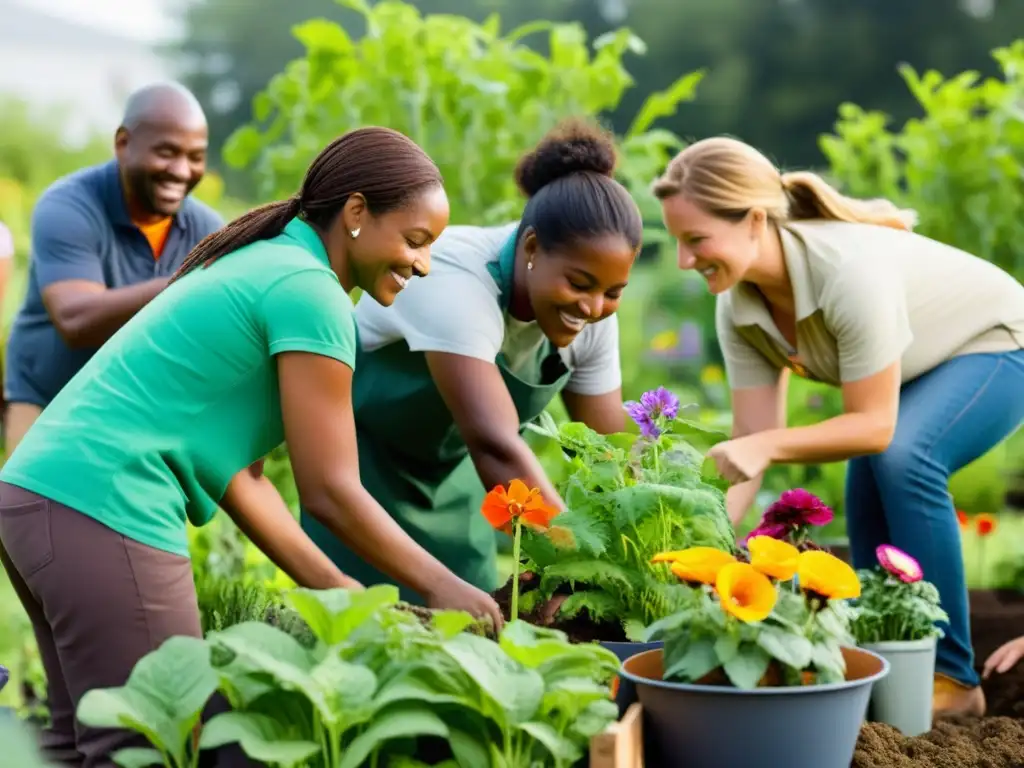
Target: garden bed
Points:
(995, 741)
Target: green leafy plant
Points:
(380, 686)
(751, 624)
(958, 165)
(475, 99)
(896, 603)
(628, 497)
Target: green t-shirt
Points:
(185, 395)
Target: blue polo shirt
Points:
(81, 230)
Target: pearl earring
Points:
(529, 265)
(354, 233)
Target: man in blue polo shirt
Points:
(105, 241)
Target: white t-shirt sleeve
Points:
(594, 359)
(452, 312)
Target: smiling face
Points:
(572, 286)
(721, 249)
(393, 247)
(161, 163)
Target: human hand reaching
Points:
(1004, 658)
(458, 595)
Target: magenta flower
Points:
(656, 407)
(899, 563)
(796, 508)
(774, 530)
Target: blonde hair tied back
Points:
(728, 177)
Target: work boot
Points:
(951, 697)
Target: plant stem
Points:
(516, 540)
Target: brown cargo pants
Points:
(98, 603)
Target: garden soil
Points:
(995, 741)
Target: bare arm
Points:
(86, 313)
(478, 399)
(602, 413)
(258, 510)
(757, 409)
(316, 404)
(867, 425)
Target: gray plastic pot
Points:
(811, 726)
(626, 693)
(904, 698)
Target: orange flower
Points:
(700, 564)
(985, 523)
(827, 575)
(521, 503)
(961, 517)
(745, 592)
(773, 557)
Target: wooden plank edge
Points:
(621, 744)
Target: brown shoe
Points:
(954, 698)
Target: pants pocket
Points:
(26, 536)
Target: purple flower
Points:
(656, 406)
(796, 508)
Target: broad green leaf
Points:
(400, 721)
(263, 738)
(323, 35)
(571, 696)
(163, 698)
(514, 691)
(334, 613)
(450, 623)
(747, 667)
(726, 647)
(137, 757)
(425, 682)
(790, 648)
(690, 662)
(561, 748)
(597, 716)
(346, 689)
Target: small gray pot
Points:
(904, 698)
(811, 726)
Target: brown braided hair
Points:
(384, 166)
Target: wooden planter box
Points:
(621, 744)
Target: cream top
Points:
(865, 297)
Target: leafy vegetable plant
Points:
(896, 603)
(748, 625)
(628, 497)
(378, 687)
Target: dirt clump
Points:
(989, 742)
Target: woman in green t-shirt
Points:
(253, 343)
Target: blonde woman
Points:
(925, 341)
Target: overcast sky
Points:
(140, 19)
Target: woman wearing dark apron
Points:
(252, 343)
(510, 318)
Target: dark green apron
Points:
(414, 462)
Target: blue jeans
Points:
(948, 417)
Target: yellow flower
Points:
(712, 374)
(745, 592)
(700, 564)
(827, 575)
(773, 557)
(664, 341)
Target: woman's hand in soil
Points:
(457, 595)
(550, 609)
(1004, 658)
